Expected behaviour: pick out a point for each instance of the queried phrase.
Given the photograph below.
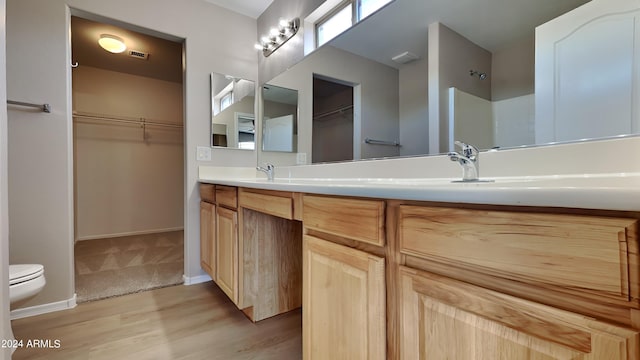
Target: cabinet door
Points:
(227, 252)
(442, 318)
(343, 301)
(207, 238)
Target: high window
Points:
(344, 16)
(226, 100)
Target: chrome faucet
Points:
(269, 169)
(469, 160)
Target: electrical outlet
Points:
(301, 158)
(203, 153)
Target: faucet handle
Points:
(269, 169)
(468, 150)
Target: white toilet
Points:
(25, 281)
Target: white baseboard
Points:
(196, 279)
(43, 309)
(129, 233)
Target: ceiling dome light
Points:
(112, 43)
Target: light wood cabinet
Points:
(227, 196)
(251, 245)
(578, 262)
(279, 204)
(357, 219)
(443, 318)
(207, 238)
(227, 252)
(270, 252)
(396, 279)
(343, 302)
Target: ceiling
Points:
(164, 61)
(251, 8)
(401, 26)
(491, 24)
(165, 56)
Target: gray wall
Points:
(291, 52)
(451, 56)
(414, 108)
(376, 85)
(104, 205)
(332, 135)
(513, 69)
(5, 327)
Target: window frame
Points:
(223, 98)
(329, 15)
(356, 17)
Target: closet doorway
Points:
(128, 160)
(332, 132)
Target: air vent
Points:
(139, 54)
(405, 57)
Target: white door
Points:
(587, 78)
(278, 134)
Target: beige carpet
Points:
(117, 266)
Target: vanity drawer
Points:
(208, 193)
(227, 196)
(584, 254)
(356, 219)
(272, 203)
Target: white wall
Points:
(514, 121)
(40, 146)
(127, 182)
(485, 124)
(470, 119)
(5, 327)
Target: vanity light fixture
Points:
(112, 43)
(278, 36)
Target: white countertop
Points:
(585, 175)
(606, 192)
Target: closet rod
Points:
(124, 120)
(332, 112)
(44, 107)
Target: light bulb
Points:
(284, 23)
(112, 43)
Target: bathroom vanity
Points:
(250, 245)
(537, 258)
(428, 269)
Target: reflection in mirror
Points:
(280, 118)
(232, 112)
(422, 84)
(332, 122)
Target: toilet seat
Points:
(24, 272)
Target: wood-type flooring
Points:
(177, 322)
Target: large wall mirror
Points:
(374, 91)
(280, 119)
(233, 122)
